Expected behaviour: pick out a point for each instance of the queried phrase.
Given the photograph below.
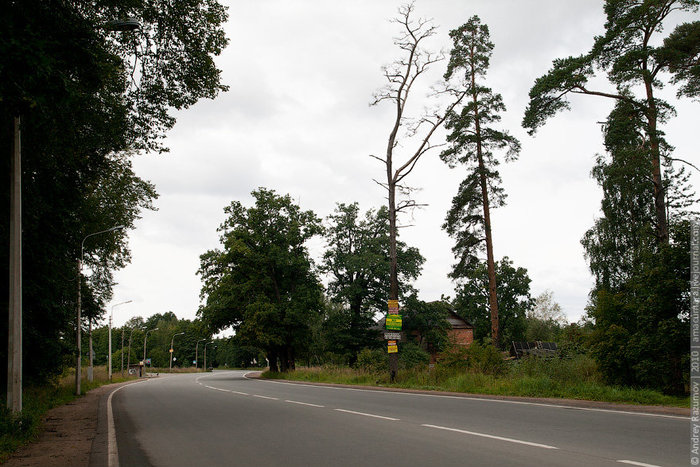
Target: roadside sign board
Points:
(393, 307)
(393, 322)
(393, 348)
(392, 336)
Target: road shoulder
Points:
(568, 403)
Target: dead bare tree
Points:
(401, 76)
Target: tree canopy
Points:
(88, 99)
(472, 301)
(636, 68)
(261, 282)
(357, 261)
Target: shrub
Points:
(480, 358)
(374, 360)
(411, 356)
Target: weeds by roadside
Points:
(574, 378)
(16, 430)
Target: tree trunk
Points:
(355, 329)
(659, 192)
(490, 263)
(272, 359)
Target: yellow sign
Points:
(393, 307)
(171, 351)
(393, 322)
(393, 348)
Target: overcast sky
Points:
(297, 120)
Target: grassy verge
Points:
(553, 379)
(36, 401)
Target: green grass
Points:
(577, 378)
(17, 430)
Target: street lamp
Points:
(128, 356)
(77, 320)
(126, 24)
(196, 355)
(144, 346)
(111, 315)
(205, 354)
(171, 349)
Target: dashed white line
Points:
(499, 438)
(266, 397)
(641, 464)
(483, 399)
(367, 414)
(305, 403)
(241, 393)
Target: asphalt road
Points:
(225, 419)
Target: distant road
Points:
(224, 419)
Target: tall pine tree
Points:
(471, 143)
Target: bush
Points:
(411, 356)
(479, 358)
(374, 360)
(574, 370)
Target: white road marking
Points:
(641, 464)
(484, 435)
(265, 397)
(241, 393)
(305, 403)
(482, 399)
(112, 450)
(367, 414)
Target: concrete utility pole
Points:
(111, 315)
(205, 354)
(196, 353)
(78, 364)
(145, 339)
(90, 368)
(171, 349)
(14, 328)
(122, 351)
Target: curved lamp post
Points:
(77, 320)
(111, 315)
(171, 349)
(205, 354)
(144, 346)
(196, 354)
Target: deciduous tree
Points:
(358, 261)
(472, 300)
(261, 282)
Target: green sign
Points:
(393, 322)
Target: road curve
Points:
(225, 419)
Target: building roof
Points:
(457, 322)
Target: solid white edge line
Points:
(484, 399)
(641, 464)
(112, 450)
(305, 403)
(499, 438)
(367, 414)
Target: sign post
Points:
(393, 323)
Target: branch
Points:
(673, 159)
(378, 158)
